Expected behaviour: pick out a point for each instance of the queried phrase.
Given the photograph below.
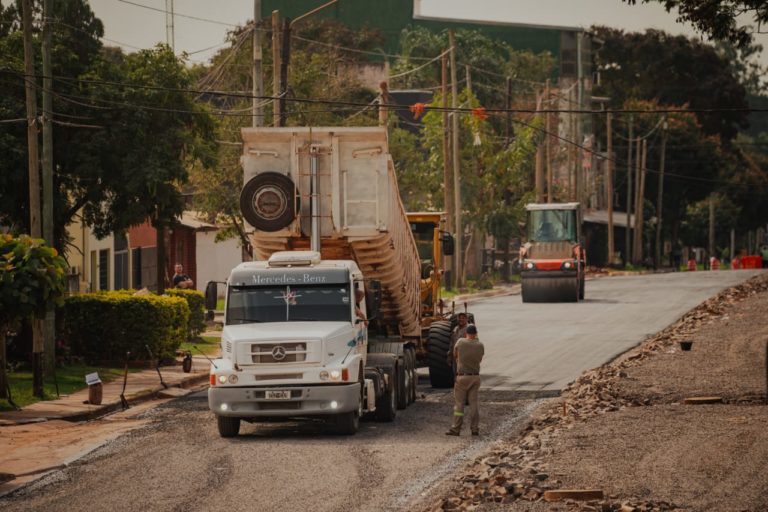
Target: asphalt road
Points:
(178, 461)
(541, 347)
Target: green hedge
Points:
(104, 326)
(196, 302)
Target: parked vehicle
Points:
(335, 316)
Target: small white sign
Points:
(92, 378)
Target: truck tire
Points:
(228, 426)
(386, 405)
(348, 423)
(402, 383)
(414, 381)
(438, 345)
(269, 201)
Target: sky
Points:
(131, 26)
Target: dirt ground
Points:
(625, 429)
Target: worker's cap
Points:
(471, 329)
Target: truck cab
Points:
(293, 343)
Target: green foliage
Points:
(196, 302)
(717, 18)
(104, 326)
(32, 278)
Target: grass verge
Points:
(209, 345)
(70, 379)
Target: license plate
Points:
(277, 395)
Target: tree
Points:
(672, 70)
(32, 280)
(717, 18)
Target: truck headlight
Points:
(335, 375)
(222, 379)
(323, 375)
(233, 379)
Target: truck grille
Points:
(272, 353)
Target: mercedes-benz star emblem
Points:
(278, 353)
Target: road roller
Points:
(553, 260)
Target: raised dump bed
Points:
(358, 212)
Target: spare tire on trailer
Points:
(438, 345)
(269, 201)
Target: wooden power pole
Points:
(660, 197)
(49, 326)
(258, 74)
(458, 268)
(539, 169)
(628, 230)
(276, 68)
(640, 199)
(447, 177)
(35, 226)
(609, 185)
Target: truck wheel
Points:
(386, 405)
(438, 345)
(228, 427)
(402, 383)
(348, 423)
(268, 201)
(414, 376)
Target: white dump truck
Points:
(335, 315)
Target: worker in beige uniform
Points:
(468, 353)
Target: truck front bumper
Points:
(248, 402)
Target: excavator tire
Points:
(438, 345)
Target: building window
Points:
(94, 272)
(103, 269)
(136, 267)
(121, 262)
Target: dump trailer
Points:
(335, 314)
(553, 260)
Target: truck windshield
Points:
(552, 225)
(289, 303)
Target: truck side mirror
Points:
(211, 295)
(448, 244)
(373, 298)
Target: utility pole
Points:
(285, 60)
(383, 101)
(711, 248)
(258, 74)
(34, 182)
(458, 268)
(659, 203)
(170, 37)
(447, 178)
(548, 158)
(628, 230)
(539, 170)
(275, 68)
(49, 345)
(639, 210)
(733, 244)
(609, 185)
(509, 131)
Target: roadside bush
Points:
(104, 326)
(196, 302)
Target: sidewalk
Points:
(142, 385)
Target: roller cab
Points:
(553, 260)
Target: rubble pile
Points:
(514, 471)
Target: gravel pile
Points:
(513, 472)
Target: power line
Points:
(197, 18)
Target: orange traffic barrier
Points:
(735, 263)
(691, 265)
(751, 262)
(714, 263)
